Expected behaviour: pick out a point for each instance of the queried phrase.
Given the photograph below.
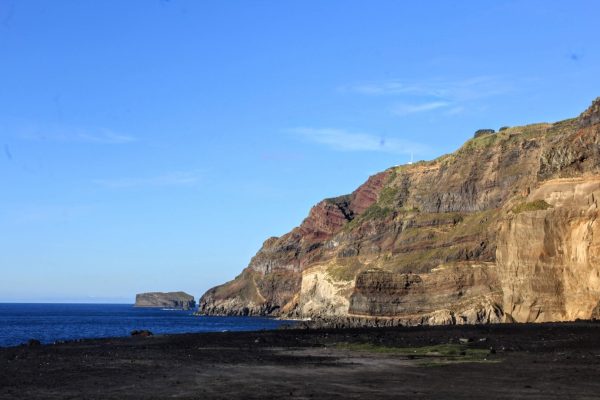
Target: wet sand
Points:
(543, 361)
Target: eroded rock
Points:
(502, 229)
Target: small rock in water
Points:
(141, 333)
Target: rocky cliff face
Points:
(503, 229)
(272, 280)
(179, 300)
(551, 255)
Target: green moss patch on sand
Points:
(434, 355)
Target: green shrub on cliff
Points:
(387, 196)
(376, 212)
(480, 142)
(531, 206)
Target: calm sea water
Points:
(50, 322)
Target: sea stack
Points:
(180, 300)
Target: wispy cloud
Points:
(457, 90)
(342, 140)
(454, 110)
(77, 135)
(182, 178)
(434, 94)
(104, 138)
(392, 87)
(405, 109)
(46, 213)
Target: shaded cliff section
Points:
(503, 229)
(178, 300)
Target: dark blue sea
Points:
(52, 322)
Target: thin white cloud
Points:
(76, 135)
(384, 88)
(105, 138)
(426, 96)
(455, 110)
(185, 178)
(406, 109)
(454, 90)
(342, 140)
(44, 213)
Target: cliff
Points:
(180, 300)
(503, 229)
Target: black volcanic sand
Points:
(527, 361)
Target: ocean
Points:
(54, 322)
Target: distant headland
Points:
(180, 300)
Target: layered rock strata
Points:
(503, 229)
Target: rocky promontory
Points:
(504, 229)
(179, 300)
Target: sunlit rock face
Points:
(550, 258)
(502, 229)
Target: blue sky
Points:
(153, 145)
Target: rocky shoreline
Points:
(516, 361)
(443, 317)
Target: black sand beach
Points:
(541, 361)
